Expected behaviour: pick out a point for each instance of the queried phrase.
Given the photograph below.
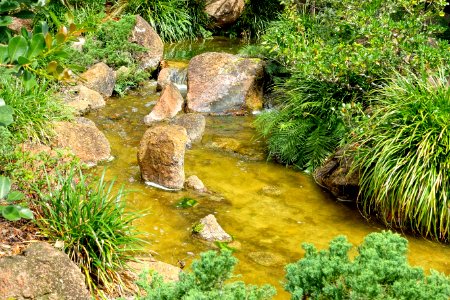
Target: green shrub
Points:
(174, 20)
(379, 271)
(93, 225)
(205, 281)
(337, 53)
(404, 155)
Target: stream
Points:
(267, 208)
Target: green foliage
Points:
(337, 52)
(379, 271)
(91, 220)
(186, 202)
(33, 110)
(6, 114)
(255, 18)
(205, 281)
(404, 155)
(12, 211)
(15, 8)
(174, 20)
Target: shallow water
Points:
(268, 209)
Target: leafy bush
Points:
(205, 281)
(338, 52)
(404, 155)
(174, 20)
(91, 221)
(379, 271)
(15, 8)
(12, 211)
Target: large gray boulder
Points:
(42, 273)
(223, 83)
(84, 139)
(224, 12)
(195, 125)
(145, 35)
(161, 156)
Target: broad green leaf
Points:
(17, 46)
(41, 27)
(5, 186)
(11, 213)
(24, 14)
(60, 38)
(6, 116)
(23, 60)
(5, 20)
(15, 196)
(26, 213)
(37, 45)
(24, 32)
(186, 202)
(51, 68)
(3, 53)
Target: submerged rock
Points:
(100, 78)
(161, 156)
(194, 123)
(84, 139)
(267, 259)
(145, 35)
(83, 99)
(41, 272)
(208, 229)
(224, 12)
(169, 104)
(335, 176)
(194, 183)
(223, 83)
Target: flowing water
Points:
(268, 209)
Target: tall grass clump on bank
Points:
(380, 270)
(404, 155)
(33, 110)
(96, 230)
(335, 53)
(206, 280)
(174, 20)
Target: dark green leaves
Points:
(16, 212)
(6, 115)
(186, 202)
(17, 46)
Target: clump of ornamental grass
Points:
(380, 270)
(95, 229)
(404, 155)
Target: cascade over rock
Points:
(224, 12)
(161, 156)
(143, 34)
(223, 83)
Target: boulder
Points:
(223, 83)
(169, 104)
(84, 139)
(194, 183)
(143, 34)
(17, 24)
(41, 272)
(100, 78)
(83, 99)
(172, 71)
(194, 123)
(161, 156)
(224, 12)
(169, 273)
(208, 229)
(335, 176)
